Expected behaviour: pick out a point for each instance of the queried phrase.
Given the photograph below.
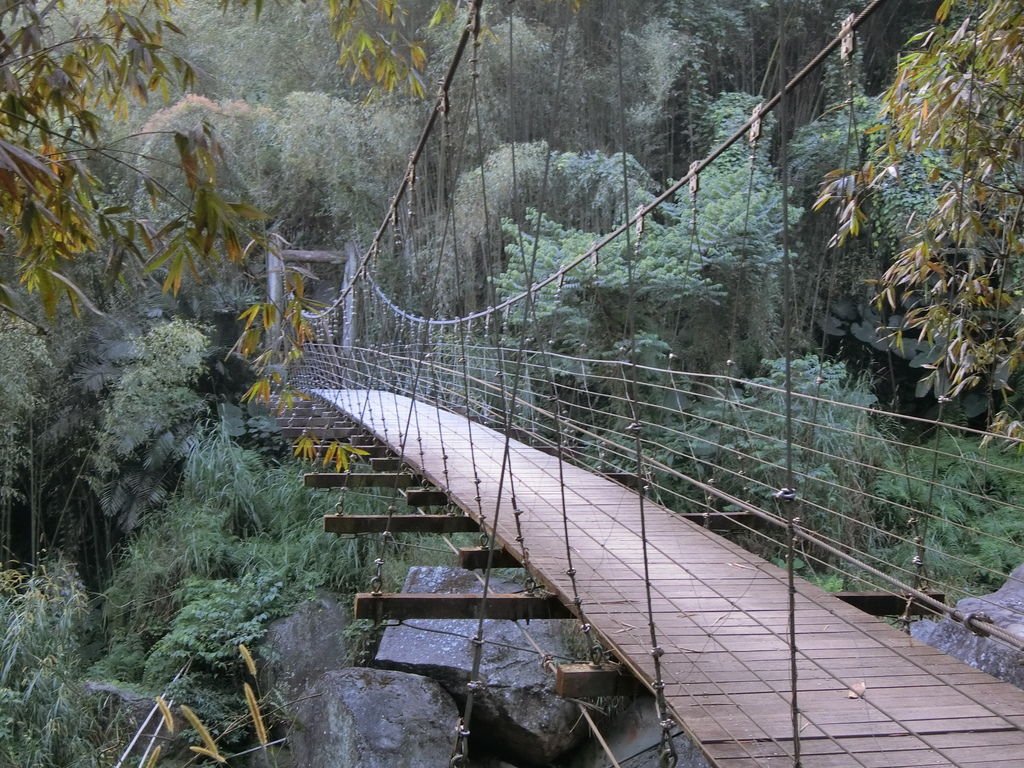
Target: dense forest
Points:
(152, 152)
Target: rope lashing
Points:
(849, 39)
(754, 133)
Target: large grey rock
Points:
(299, 648)
(516, 712)
(373, 718)
(634, 736)
(1005, 608)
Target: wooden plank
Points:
(317, 422)
(399, 524)
(586, 681)
(425, 497)
(313, 257)
(386, 464)
(320, 433)
(426, 606)
(357, 480)
(887, 604)
(475, 558)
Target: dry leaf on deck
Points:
(856, 690)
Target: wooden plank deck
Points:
(720, 613)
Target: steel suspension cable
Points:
(787, 495)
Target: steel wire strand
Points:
(813, 480)
(740, 662)
(828, 511)
(506, 471)
(853, 462)
(766, 486)
(722, 690)
(546, 664)
(901, 586)
(907, 658)
(903, 590)
(834, 485)
(665, 469)
(822, 453)
(710, 712)
(958, 457)
(470, 29)
(743, 383)
(448, 227)
(780, 521)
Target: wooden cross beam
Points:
(357, 480)
(400, 524)
(386, 464)
(887, 604)
(475, 559)
(587, 681)
(293, 431)
(316, 422)
(425, 497)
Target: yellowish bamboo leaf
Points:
(305, 448)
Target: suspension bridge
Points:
(869, 695)
(610, 482)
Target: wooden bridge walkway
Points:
(721, 615)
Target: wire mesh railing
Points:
(886, 502)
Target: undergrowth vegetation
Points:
(239, 544)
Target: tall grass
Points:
(45, 717)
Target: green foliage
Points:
(686, 275)
(215, 618)
(836, 447)
(147, 418)
(970, 520)
(183, 540)
(950, 115)
(63, 67)
(297, 51)
(45, 720)
(238, 543)
(156, 389)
